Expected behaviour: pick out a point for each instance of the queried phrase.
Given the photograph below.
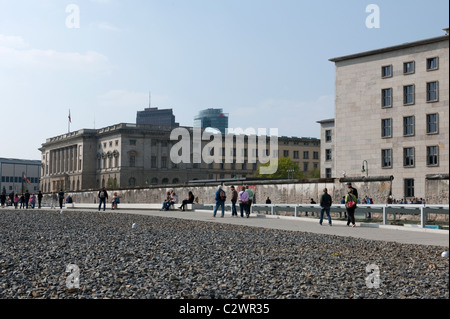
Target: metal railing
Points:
(421, 210)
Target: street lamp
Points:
(366, 169)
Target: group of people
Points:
(350, 200)
(245, 197)
(172, 199)
(24, 200)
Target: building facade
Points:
(129, 155)
(392, 115)
(19, 175)
(154, 116)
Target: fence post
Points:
(295, 209)
(384, 215)
(422, 217)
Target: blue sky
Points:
(265, 62)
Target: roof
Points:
(392, 48)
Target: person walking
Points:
(16, 200)
(325, 204)
(103, 196)
(350, 204)
(243, 202)
(61, 198)
(234, 198)
(220, 201)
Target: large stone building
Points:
(391, 116)
(128, 155)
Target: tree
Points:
(285, 165)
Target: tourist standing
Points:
(220, 198)
(53, 198)
(234, 198)
(325, 204)
(33, 201)
(350, 204)
(103, 196)
(61, 198)
(251, 197)
(243, 202)
(39, 197)
(16, 200)
(3, 199)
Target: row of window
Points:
(432, 156)
(18, 179)
(432, 125)
(409, 67)
(432, 94)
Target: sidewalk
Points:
(400, 234)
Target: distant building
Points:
(391, 116)
(214, 118)
(130, 155)
(19, 175)
(153, 116)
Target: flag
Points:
(70, 119)
(26, 179)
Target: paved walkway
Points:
(401, 234)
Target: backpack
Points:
(102, 194)
(222, 195)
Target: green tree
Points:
(285, 168)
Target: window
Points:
(132, 162)
(132, 142)
(432, 64)
(153, 162)
(386, 128)
(432, 91)
(296, 155)
(316, 155)
(328, 154)
(163, 161)
(328, 136)
(286, 153)
(408, 126)
(386, 97)
(328, 172)
(386, 158)
(386, 71)
(408, 67)
(408, 94)
(306, 155)
(409, 187)
(305, 167)
(432, 123)
(432, 155)
(408, 157)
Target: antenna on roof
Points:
(149, 99)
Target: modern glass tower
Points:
(214, 118)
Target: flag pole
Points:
(68, 124)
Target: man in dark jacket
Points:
(325, 204)
(103, 195)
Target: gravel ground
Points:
(164, 258)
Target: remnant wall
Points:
(279, 191)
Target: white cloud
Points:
(16, 53)
(108, 27)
